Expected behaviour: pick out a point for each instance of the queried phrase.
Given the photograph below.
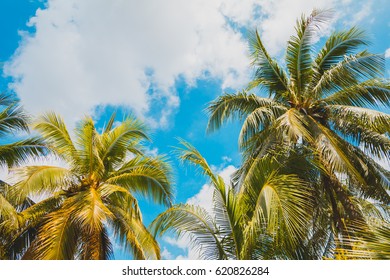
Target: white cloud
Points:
(130, 53)
(387, 53)
(363, 13)
(226, 159)
(182, 243)
(203, 198)
(95, 52)
(166, 255)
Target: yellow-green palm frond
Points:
(88, 142)
(276, 201)
(191, 155)
(120, 197)
(117, 141)
(57, 238)
(95, 245)
(90, 211)
(258, 120)
(39, 180)
(33, 215)
(12, 116)
(148, 176)
(294, 125)
(134, 236)
(7, 210)
(337, 46)
(371, 119)
(365, 241)
(53, 129)
(226, 211)
(376, 178)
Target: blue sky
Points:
(162, 61)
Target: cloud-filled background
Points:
(159, 60)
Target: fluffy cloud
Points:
(166, 255)
(90, 53)
(130, 53)
(387, 53)
(95, 52)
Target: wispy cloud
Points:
(166, 255)
(387, 53)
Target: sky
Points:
(162, 61)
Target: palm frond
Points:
(258, 120)
(147, 176)
(54, 131)
(57, 239)
(133, 235)
(38, 180)
(110, 123)
(268, 73)
(338, 45)
(21, 151)
(118, 141)
(13, 119)
(96, 245)
(349, 72)
(235, 106)
(196, 222)
(120, 197)
(299, 48)
(294, 126)
(370, 93)
(88, 143)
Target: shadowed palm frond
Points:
(195, 221)
(236, 106)
(268, 73)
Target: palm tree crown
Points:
(14, 121)
(93, 193)
(266, 221)
(323, 107)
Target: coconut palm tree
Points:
(13, 121)
(266, 221)
(324, 107)
(92, 194)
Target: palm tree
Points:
(13, 121)
(93, 193)
(322, 109)
(265, 221)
